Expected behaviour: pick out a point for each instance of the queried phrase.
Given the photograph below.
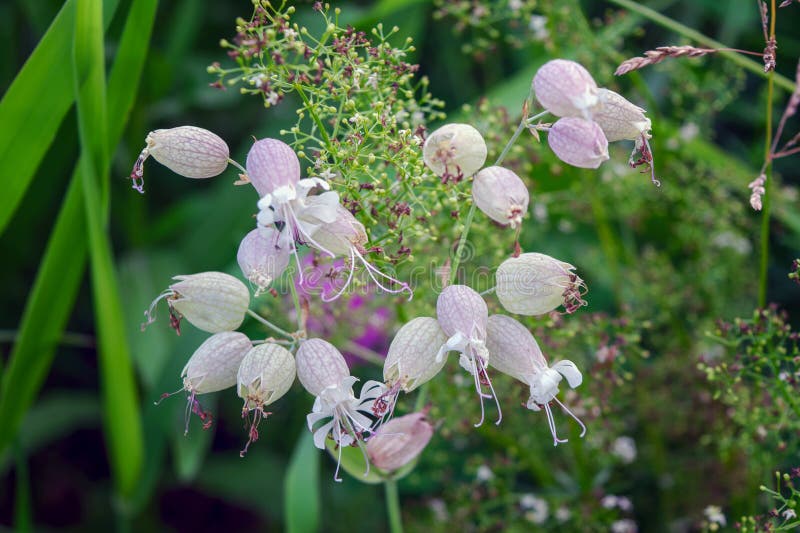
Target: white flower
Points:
(454, 151)
(563, 514)
(462, 314)
(789, 514)
(537, 508)
(484, 474)
(714, 515)
(273, 98)
(624, 448)
(323, 372)
(538, 25)
(535, 284)
(514, 351)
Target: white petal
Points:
(309, 183)
(265, 202)
(266, 217)
(466, 363)
(569, 371)
(321, 434)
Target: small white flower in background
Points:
(501, 195)
(624, 526)
(412, 358)
(484, 474)
(211, 368)
(625, 448)
(399, 441)
(463, 314)
(514, 351)
(565, 88)
(714, 515)
(454, 151)
(537, 509)
(538, 26)
(323, 372)
(535, 284)
(688, 132)
(563, 514)
(211, 301)
(578, 142)
(262, 258)
(789, 514)
(186, 150)
(439, 509)
(611, 501)
(265, 375)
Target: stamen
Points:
(371, 269)
(552, 424)
(488, 381)
(298, 230)
(150, 314)
(347, 284)
(570, 413)
(138, 171)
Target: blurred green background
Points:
(663, 265)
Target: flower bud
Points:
(399, 441)
(214, 364)
(535, 284)
(211, 301)
(454, 151)
(266, 374)
(565, 88)
(619, 118)
(320, 365)
(501, 195)
(460, 309)
(412, 357)
(272, 164)
(186, 150)
(578, 142)
(261, 257)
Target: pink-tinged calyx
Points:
(501, 195)
(535, 284)
(515, 352)
(272, 164)
(565, 88)
(578, 142)
(262, 257)
(399, 441)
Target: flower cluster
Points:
(590, 117)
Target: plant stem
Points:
(746, 63)
(237, 165)
(297, 309)
(269, 324)
(393, 506)
(462, 242)
(767, 201)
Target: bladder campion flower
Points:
(501, 195)
(621, 120)
(212, 368)
(399, 441)
(565, 88)
(262, 258)
(462, 314)
(265, 375)
(535, 284)
(454, 151)
(323, 372)
(578, 142)
(515, 352)
(414, 358)
(271, 164)
(211, 301)
(186, 150)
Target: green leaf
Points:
(37, 101)
(56, 285)
(301, 487)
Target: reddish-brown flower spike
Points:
(565, 88)
(186, 150)
(501, 195)
(578, 142)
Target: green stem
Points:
(462, 242)
(746, 63)
(315, 118)
(767, 200)
(297, 309)
(393, 506)
(237, 165)
(269, 324)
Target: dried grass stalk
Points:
(651, 57)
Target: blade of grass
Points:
(301, 487)
(37, 101)
(122, 420)
(56, 286)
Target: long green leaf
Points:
(34, 106)
(301, 487)
(56, 286)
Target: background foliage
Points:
(669, 271)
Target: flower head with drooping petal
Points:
(271, 164)
(578, 142)
(535, 284)
(514, 351)
(501, 195)
(262, 258)
(565, 88)
(463, 314)
(323, 372)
